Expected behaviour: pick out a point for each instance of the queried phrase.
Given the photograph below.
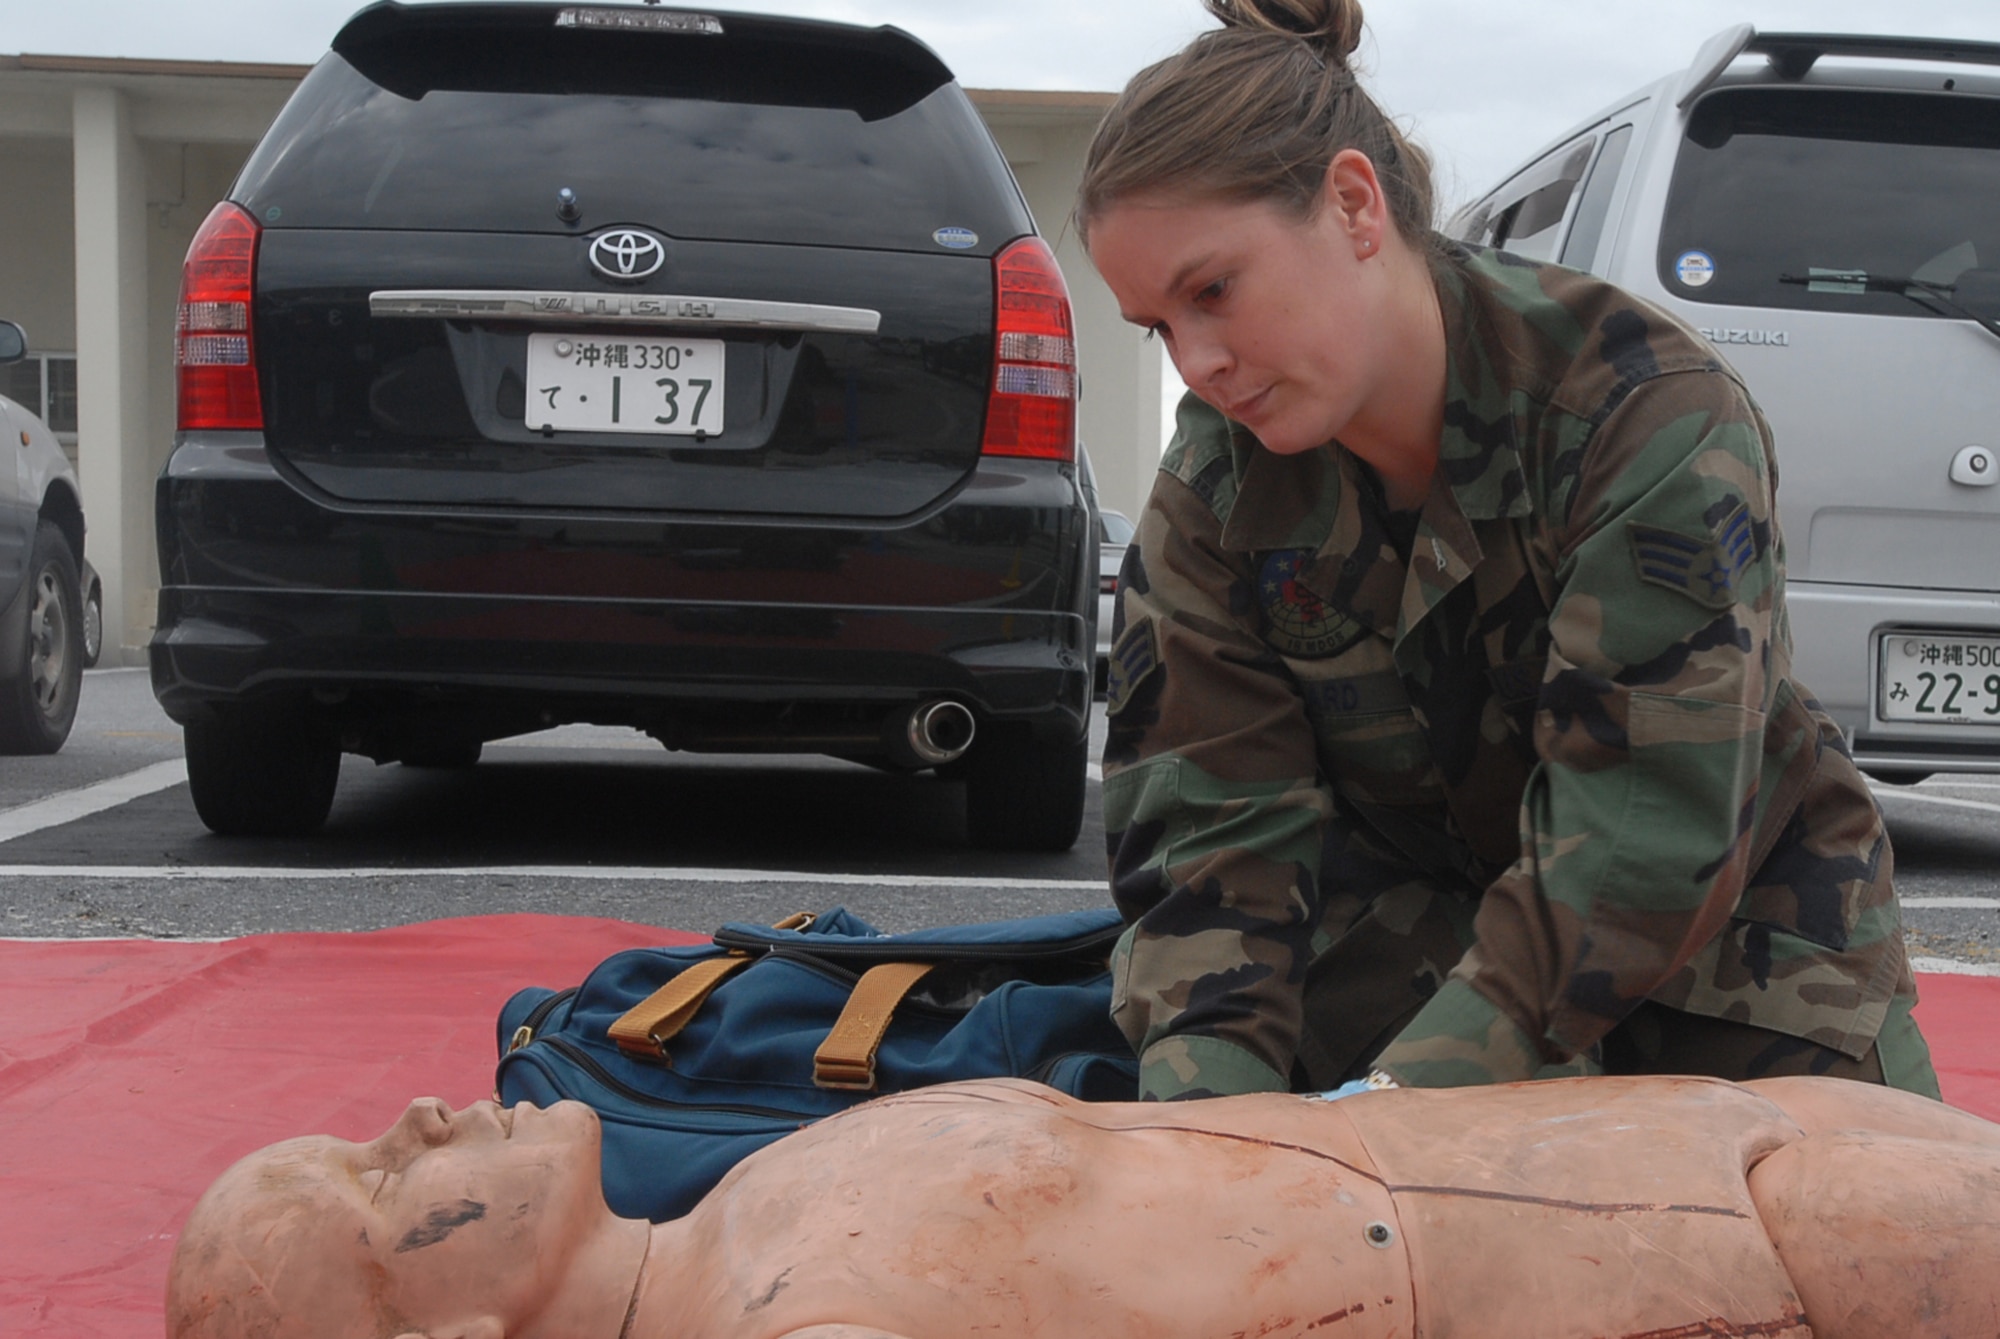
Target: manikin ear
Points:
(484, 1327)
(1352, 200)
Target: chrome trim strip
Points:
(652, 309)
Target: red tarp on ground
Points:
(133, 1072)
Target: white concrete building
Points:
(108, 166)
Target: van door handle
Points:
(1975, 466)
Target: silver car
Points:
(41, 576)
(1822, 208)
(1114, 533)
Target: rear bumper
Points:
(216, 645)
(1836, 635)
(711, 634)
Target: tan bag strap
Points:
(846, 1059)
(647, 1027)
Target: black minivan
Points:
(691, 371)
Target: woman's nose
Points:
(1201, 362)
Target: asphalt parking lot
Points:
(101, 840)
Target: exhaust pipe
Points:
(935, 733)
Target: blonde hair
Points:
(1256, 110)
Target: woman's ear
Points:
(1352, 200)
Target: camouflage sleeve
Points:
(1635, 823)
(1213, 813)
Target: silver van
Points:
(1826, 210)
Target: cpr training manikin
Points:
(1784, 1208)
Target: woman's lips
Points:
(1242, 410)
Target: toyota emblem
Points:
(627, 254)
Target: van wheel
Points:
(261, 771)
(38, 695)
(1023, 793)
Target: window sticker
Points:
(1696, 269)
(957, 239)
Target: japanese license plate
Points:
(1940, 678)
(592, 383)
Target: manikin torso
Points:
(1265, 1216)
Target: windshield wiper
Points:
(1932, 297)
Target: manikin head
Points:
(452, 1225)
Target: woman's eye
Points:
(1212, 291)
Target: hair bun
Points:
(1333, 26)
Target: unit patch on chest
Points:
(1296, 621)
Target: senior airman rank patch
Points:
(1703, 569)
(1297, 622)
(1134, 657)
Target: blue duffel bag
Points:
(696, 1057)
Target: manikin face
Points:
(450, 1223)
(1270, 318)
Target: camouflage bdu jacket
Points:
(1475, 801)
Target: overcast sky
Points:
(1481, 83)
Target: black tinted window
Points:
(22, 383)
(1778, 182)
(25, 381)
(735, 159)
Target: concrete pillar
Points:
(1120, 419)
(112, 366)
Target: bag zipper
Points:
(536, 1017)
(892, 949)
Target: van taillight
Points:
(214, 346)
(1032, 409)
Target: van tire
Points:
(1024, 793)
(261, 771)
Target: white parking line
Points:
(71, 805)
(1096, 771)
(1897, 793)
(581, 873)
(1949, 967)
(1951, 903)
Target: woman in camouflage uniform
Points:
(1452, 734)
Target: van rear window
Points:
(1806, 199)
(723, 143)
